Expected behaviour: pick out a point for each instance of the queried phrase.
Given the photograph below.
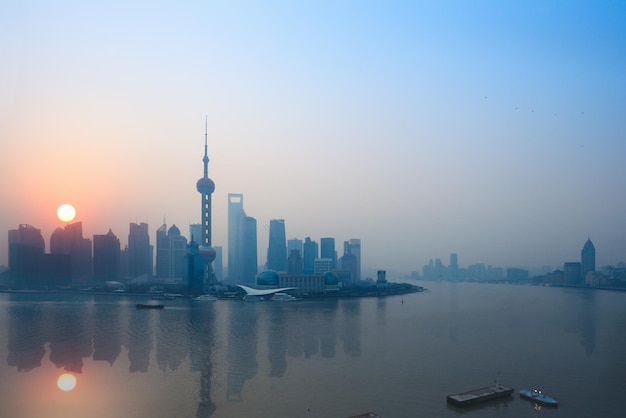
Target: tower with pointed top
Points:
(206, 187)
(588, 258)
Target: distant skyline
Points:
(490, 129)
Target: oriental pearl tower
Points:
(206, 187)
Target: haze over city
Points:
(490, 129)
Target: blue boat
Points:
(536, 396)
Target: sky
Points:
(491, 129)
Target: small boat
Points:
(149, 306)
(283, 297)
(205, 298)
(536, 396)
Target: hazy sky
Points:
(493, 129)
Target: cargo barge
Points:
(480, 395)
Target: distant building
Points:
(588, 258)
(69, 241)
(171, 248)
(348, 266)
(322, 265)
(277, 247)
(242, 242)
(572, 273)
(327, 250)
(516, 274)
(453, 268)
(106, 258)
(353, 246)
(193, 274)
(294, 244)
(138, 252)
(26, 249)
(310, 253)
(294, 262)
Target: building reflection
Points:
(242, 348)
(186, 331)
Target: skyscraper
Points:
(327, 250)
(277, 248)
(139, 251)
(353, 247)
(588, 258)
(170, 253)
(26, 248)
(106, 257)
(206, 187)
(242, 242)
(69, 240)
(310, 252)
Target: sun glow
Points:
(66, 382)
(66, 212)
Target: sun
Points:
(66, 212)
(66, 382)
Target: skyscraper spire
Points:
(206, 154)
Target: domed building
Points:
(267, 278)
(331, 281)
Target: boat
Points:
(206, 297)
(283, 297)
(149, 306)
(480, 395)
(535, 395)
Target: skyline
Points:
(492, 130)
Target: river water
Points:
(397, 356)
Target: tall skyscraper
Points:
(294, 244)
(139, 251)
(242, 242)
(453, 268)
(26, 247)
(588, 258)
(310, 253)
(277, 248)
(69, 241)
(170, 253)
(206, 187)
(106, 257)
(327, 250)
(353, 247)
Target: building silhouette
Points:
(106, 257)
(294, 262)
(294, 244)
(588, 258)
(26, 249)
(171, 248)
(327, 250)
(69, 241)
(277, 248)
(242, 242)
(206, 187)
(310, 253)
(353, 246)
(138, 253)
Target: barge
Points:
(480, 395)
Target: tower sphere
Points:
(205, 185)
(208, 253)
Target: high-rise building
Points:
(106, 257)
(294, 262)
(294, 244)
(572, 273)
(588, 258)
(242, 242)
(139, 251)
(69, 241)
(218, 263)
(170, 253)
(206, 187)
(353, 246)
(26, 246)
(327, 250)
(310, 253)
(248, 243)
(453, 268)
(277, 248)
